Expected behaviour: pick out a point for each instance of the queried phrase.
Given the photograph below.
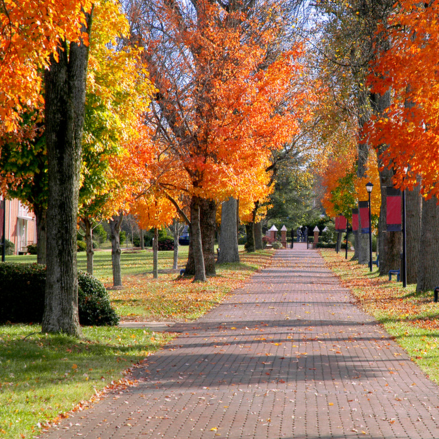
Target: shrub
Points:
(94, 303)
(22, 289)
(10, 247)
(32, 249)
(242, 240)
(276, 244)
(166, 244)
(81, 246)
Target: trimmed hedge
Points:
(22, 288)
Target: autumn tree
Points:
(218, 111)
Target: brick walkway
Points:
(287, 356)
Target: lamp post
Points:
(369, 187)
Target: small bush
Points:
(10, 247)
(276, 244)
(32, 249)
(94, 303)
(81, 246)
(22, 288)
(166, 244)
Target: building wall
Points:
(21, 226)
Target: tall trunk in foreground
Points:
(338, 242)
(115, 227)
(356, 245)
(413, 221)
(155, 254)
(65, 83)
(228, 243)
(41, 218)
(428, 264)
(89, 243)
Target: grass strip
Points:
(44, 376)
(411, 318)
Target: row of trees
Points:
(163, 105)
(376, 58)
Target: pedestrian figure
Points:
(299, 235)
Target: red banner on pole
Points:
(355, 220)
(340, 223)
(393, 209)
(363, 207)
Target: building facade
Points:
(20, 226)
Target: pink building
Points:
(21, 225)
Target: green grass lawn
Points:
(44, 376)
(411, 317)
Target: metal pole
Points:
(370, 235)
(404, 241)
(4, 232)
(347, 235)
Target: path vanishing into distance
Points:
(289, 355)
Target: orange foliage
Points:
(223, 121)
(30, 34)
(410, 128)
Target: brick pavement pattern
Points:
(287, 356)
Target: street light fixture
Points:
(369, 187)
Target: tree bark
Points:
(196, 240)
(155, 254)
(356, 245)
(228, 238)
(65, 83)
(363, 247)
(250, 231)
(142, 239)
(176, 243)
(41, 218)
(89, 243)
(206, 219)
(258, 236)
(115, 227)
(413, 222)
(338, 242)
(428, 263)
(390, 243)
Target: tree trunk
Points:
(413, 221)
(176, 243)
(356, 245)
(390, 243)
(41, 218)
(338, 243)
(115, 226)
(142, 239)
(196, 241)
(89, 243)
(258, 236)
(155, 254)
(207, 220)
(363, 247)
(250, 231)
(229, 239)
(65, 83)
(428, 263)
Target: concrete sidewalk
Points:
(287, 356)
